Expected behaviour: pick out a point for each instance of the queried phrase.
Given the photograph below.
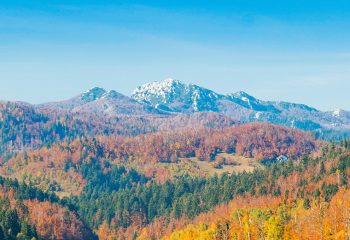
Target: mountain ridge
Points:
(172, 97)
(176, 96)
(100, 101)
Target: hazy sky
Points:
(296, 51)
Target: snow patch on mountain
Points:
(174, 95)
(158, 89)
(337, 112)
(93, 94)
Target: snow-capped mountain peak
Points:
(174, 95)
(112, 95)
(93, 94)
(337, 112)
(161, 90)
(171, 81)
(171, 96)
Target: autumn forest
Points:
(198, 176)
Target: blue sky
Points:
(295, 51)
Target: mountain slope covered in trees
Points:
(100, 191)
(23, 126)
(306, 199)
(164, 165)
(58, 166)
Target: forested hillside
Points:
(306, 199)
(29, 213)
(198, 176)
(58, 167)
(23, 126)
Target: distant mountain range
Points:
(100, 101)
(171, 98)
